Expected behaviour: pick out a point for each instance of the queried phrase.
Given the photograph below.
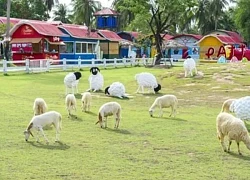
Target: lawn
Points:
(143, 148)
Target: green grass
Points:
(143, 148)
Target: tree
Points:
(83, 11)
(50, 3)
(242, 19)
(61, 13)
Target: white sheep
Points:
(234, 128)
(241, 108)
(189, 65)
(147, 80)
(96, 80)
(42, 120)
(70, 102)
(164, 102)
(226, 105)
(116, 89)
(109, 109)
(86, 101)
(71, 81)
(39, 106)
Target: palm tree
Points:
(61, 13)
(51, 3)
(83, 11)
(217, 7)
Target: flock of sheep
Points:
(226, 123)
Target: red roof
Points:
(196, 36)
(106, 11)
(166, 37)
(224, 39)
(41, 27)
(110, 35)
(80, 31)
(232, 34)
(14, 21)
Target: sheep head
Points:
(94, 70)
(151, 112)
(158, 88)
(27, 134)
(99, 120)
(106, 91)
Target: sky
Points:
(105, 3)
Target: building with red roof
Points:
(189, 42)
(35, 40)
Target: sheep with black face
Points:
(96, 80)
(147, 80)
(116, 89)
(71, 81)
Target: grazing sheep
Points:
(234, 128)
(241, 108)
(39, 106)
(86, 101)
(189, 65)
(109, 109)
(96, 80)
(42, 120)
(71, 81)
(147, 80)
(70, 102)
(164, 102)
(116, 89)
(226, 105)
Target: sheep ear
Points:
(90, 69)
(98, 69)
(31, 134)
(97, 122)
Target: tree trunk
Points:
(158, 42)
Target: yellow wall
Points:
(207, 43)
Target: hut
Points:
(215, 44)
(106, 19)
(35, 40)
(81, 42)
(190, 47)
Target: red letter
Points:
(210, 52)
(221, 51)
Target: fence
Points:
(44, 65)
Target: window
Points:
(91, 48)
(176, 51)
(84, 48)
(78, 47)
(67, 48)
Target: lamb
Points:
(164, 102)
(147, 80)
(96, 80)
(86, 101)
(226, 105)
(109, 109)
(42, 120)
(70, 102)
(39, 106)
(234, 128)
(189, 65)
(116, 89)
(71, 81)
(241, 108)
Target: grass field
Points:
(143, 148)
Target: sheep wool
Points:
(96, 79)
(147, 80)
(39, 106)
(189, 65)
(116, 89)
(241, 108)
(71, 81)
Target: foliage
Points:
(242, 19)
(61, 13)
(185, 147)
(3, 28)
(83, 11)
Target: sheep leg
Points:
(221, 137)
(57, 132)
(229, 144)
(142, 89)
(37, 135)
(160, 112)
(46, 139)
(191, 73)
(238, 144)
(117, 123)
(138, 89)
(185, 73)
(196, 72)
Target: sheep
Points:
(42, 120)
(70, 102)
(147, 80)
(234, 128)
(39, 106)
(240, 107)
(96, 80)
(71, 81)
(164, 102)
(189, 65)
(109, 109)
(226, 105)
(116, 89)
(86, 101)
